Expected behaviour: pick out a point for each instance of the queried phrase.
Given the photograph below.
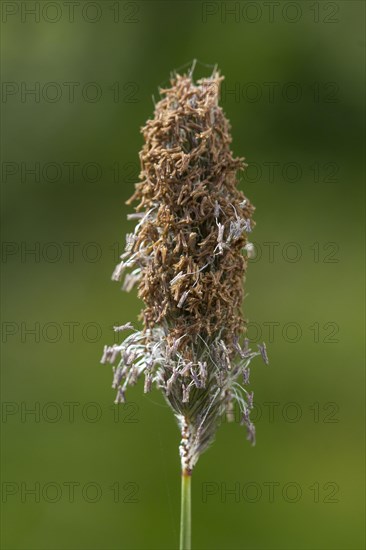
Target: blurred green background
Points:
(105, 477)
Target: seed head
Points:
(188, 255)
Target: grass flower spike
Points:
(188, 255)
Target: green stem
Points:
(185, 513)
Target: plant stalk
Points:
(185, 514)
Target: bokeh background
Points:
(105, 477)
